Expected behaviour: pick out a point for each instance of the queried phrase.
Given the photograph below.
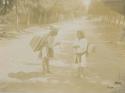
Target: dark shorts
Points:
(50, 53)
(77, 59)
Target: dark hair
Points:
(53, 33)
(81, 34)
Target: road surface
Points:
(21, 70)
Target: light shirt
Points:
(51, 41)
(81, 45)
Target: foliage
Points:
(41, 11)
(6, 6)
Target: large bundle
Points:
(37, 42)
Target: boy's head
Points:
(54, 31)
(80, 34)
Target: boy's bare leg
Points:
(78, 71)
(44, 65)
(82, 72)
(47, 66)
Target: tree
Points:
(5, 6)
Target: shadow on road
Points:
(25, 75)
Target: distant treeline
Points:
(27, 12)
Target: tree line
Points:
(28, 12)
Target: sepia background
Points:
(103, 22)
